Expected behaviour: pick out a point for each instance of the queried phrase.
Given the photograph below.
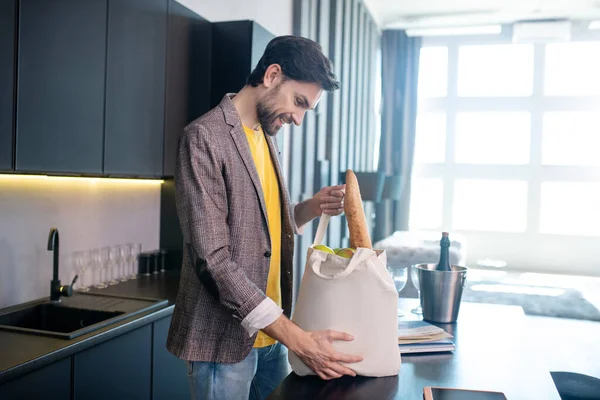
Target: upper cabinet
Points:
(135, 87)
(7, 74)
(188, 76)
(60, 90)
(106, 87)
(237, 48)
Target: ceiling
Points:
(404, 14)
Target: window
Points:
(495, 70)
(490, 205)
(572, 69)
(492, 137)
(430, 141)
(571, 138)
(570, 208)
(433, 71)
(508, 138)
(426, 201)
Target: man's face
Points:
(285, 102)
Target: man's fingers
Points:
(337, 187)
(331, 199)
(347, 358)
(334, 211)
(331, 373)
(329, 206)
(340, 369)
(336, 193)
(323, 376)
(335, 335)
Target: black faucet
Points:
(56, 289)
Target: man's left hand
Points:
(329, 200)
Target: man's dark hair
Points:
(300, 59)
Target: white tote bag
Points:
(355, 296)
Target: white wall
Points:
(273, 15)
(89, 214)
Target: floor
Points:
(588, 286)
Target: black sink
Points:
(55, 318)
(74, 316)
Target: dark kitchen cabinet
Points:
(117, 369)
(237, 48)
(188, 76)
(169, 373)
(8, 15)
(50, 382)
(61, 82)
(134, 365)
(135, 87)
(100, 87)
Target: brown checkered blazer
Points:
(226, 239)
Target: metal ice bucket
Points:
(440, 292)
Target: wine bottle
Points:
(444, 264)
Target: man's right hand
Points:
(315, 349)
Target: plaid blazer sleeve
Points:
(201, 199)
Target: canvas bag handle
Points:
(322, 228)
(318, 257)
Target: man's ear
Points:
(273, 75)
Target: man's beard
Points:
(267, 116)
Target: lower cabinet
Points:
(135, 365)
(117, 369)
(50, 382)
(169, 373)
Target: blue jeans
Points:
(253, 378)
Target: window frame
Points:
(534, 173)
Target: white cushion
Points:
(406, 248)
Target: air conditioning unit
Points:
(541, 31)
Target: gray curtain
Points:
(400, 71)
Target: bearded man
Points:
(231, 320)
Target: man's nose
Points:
(298, 118)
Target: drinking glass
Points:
(104, 264)
(99, 267)
(82, 260)
(125, 262)
(136, 249)
(399, 275)
(114, 255)
(415, 277)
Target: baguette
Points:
(355, 214)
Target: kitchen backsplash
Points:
(89, 213)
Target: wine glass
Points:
(399, 275)
(415, 277)
(114, 253)
(97, 256)
(136, 249)
(82, 260)
(125, 261)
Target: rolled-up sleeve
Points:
(262, 316)
(298, 230)
(202, 206)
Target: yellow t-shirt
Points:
(270, 186)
